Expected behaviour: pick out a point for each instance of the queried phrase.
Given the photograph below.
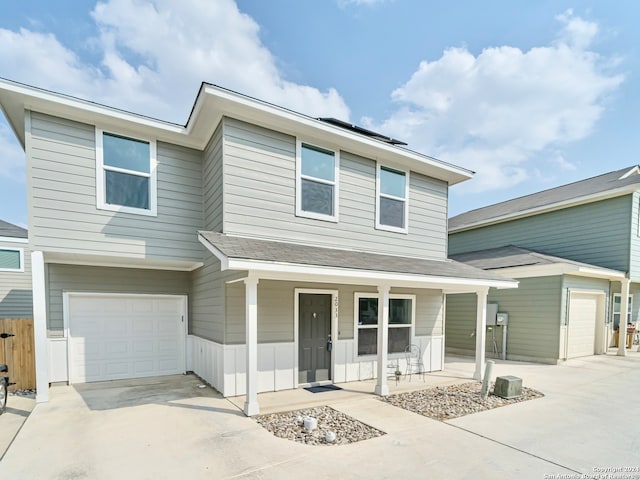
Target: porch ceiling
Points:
(287, 261)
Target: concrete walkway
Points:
(169, 428)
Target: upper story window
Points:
(11, 260)
(392, 200)
(125, 174)
(316, 182)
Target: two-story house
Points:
(575, 250)
(258, 247)
(15, 272)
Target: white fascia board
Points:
(274, 270)
(14, 240)
(227, 103)
(556, 269)
(16, 98)
(119, 262)
(224, 260)
(211, 104)
(595, 197)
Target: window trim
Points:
(101, 168)
(299, 176)
(356, 304)
(21, 252)
(390, 228)
(613, 306)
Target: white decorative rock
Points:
(310, 424)
(299, 419)
(330, 437)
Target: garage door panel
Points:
(583, 314)
(117, 337)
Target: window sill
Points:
(387, 228)
(124, 209)
(317, 216)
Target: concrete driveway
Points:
(169, 428)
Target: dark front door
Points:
(314, 330)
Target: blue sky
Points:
(530, 95)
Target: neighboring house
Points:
(252, 245)
(575, 250)
(15, 272)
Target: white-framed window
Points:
(392, 199)
(617, 308)
(317, 182)
(401, 323)
(125, 174)
(11, 259)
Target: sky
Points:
(528, 94)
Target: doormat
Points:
(322, 388)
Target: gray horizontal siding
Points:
(212, 183)
(534, 310)
(16, 300)
(75, 278)
(259, 173)
(64, 217)
(276, 310)
(634, 236)
(596, 233)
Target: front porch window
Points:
(617, 304)
(401, 321)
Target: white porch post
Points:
(251, 312)
(624, 309)
(40, 326)
(481, 332)
(382, 388)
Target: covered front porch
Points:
(383, 281)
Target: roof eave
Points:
(595, 197)
(211, 105)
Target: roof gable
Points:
(10, 230)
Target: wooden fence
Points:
(17, 352)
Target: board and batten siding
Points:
(534, 310)
(276, 310)
(63, 216)
(260, 189)
(78, 278)
(16, 299)
(596, 233)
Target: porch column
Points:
(382, 388)
(624, 309)
(251, 325)
(40, 326)
(481, 332)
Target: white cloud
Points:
(154, 55)
(496, 111)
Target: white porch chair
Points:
(414, 361)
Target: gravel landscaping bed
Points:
(445, 403)
(347, 429)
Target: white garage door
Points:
(114, 337)
(583, 315)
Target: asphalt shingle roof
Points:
(511, 256)
(572, 191)
(10, 230)
(281, 252)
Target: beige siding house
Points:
(260, 248)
